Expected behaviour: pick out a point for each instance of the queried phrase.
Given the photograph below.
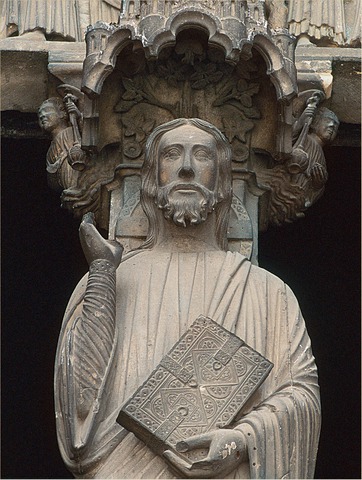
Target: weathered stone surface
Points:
(337, 72)
(231, 63)
(321, 22)
(352, 10)
(127, 314)
(62, 119)
(17, 80)
(345, 101)
(55, 20)
(37, 67)
(246, 90)
(183, 394)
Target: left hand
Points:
(227, 449)
(319, 175)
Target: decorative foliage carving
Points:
(139, 89)
(189, 70)
(185, 73)
(86, 196)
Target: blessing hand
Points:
(95, 247)
(227, 449)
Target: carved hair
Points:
(223, 185)
(58, 104)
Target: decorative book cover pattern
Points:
(200, 385)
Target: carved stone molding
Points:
(104, 43)
(202, 61)
(230, 63)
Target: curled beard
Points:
(190, 210)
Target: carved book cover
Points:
(200, 385)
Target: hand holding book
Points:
(185, 407)
(226, 450)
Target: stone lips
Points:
(200, 385)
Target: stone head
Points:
(187, 175)
(325, 125)
(52, 114)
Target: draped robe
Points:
(311, 189)
(60, 174)
(51, 16)
(158, 296)
(317, 19)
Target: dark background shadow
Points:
(319, 257)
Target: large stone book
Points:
(200, 385)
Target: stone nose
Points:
(186, 170)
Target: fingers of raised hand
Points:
(88, 218)
(310, 110)
(71, 108)
(87, 227)
(95, 246)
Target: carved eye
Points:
(202, 155)
(171, 154)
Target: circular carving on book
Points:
(216, 366)
(183, 411)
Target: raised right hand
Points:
(71, 107)
(95, 247)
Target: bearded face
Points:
(185, 204)
(187, 175)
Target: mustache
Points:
(187, 210)
(175, 186)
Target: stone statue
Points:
(277, 14)
(127, 313)
(38, 19)
(299, 182)
(314, 129)
(105, 10)
(65, 159)
(355, 38)
(319, 21)
(65, 20)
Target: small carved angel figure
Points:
(65, 159)
(314, 129)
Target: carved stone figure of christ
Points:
(127, 313)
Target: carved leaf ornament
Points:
(172, 85)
